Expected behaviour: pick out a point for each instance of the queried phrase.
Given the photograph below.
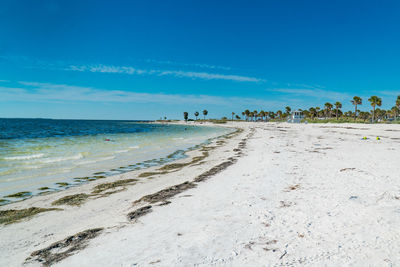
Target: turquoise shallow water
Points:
(42, 153)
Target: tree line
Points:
(196, 114)
(328, 111)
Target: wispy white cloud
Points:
(129, 70)
(302, 85)
(107, 69)
(210, 76)
(36, 92)
(173, 73)
(196, 65)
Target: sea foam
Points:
(53, 160)
(33, 156)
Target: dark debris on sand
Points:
(139, 212)
(166, 193)
(64, 248)
(12, 216)
(72, 200)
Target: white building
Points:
(296, 117)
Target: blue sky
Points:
(149, 59)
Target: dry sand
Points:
(281, 194)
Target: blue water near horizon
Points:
(40, 128)
(38, 153)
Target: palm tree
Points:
(313, 112)
(243, 114)
(196, 114)
(247, 112)
(233, 113)
(328, 108)
(356, 101)
(271, 114)
(255, 115)
(262, 114)
(251, 115)
(338, 106)
(288, 110)
(279, 113)
(185, 116)
(317, 109)
(375, 101)
(237, 117)
(205, 112)
(398, 103)
(395, 111)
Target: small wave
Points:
(178, 138)
(133, 147)
(34, 156)
(53, 160)
(122, 151)
(31, 167)
(95, 161)
(6, 172)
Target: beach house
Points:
(296, 116)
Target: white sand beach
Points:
(274, 194)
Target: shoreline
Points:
(64, 184)
(145, 172)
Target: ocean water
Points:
(37, 153)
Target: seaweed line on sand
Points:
(165, 194)
(12, 216)
(64, 248)
(98, 191)
(139, 212)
